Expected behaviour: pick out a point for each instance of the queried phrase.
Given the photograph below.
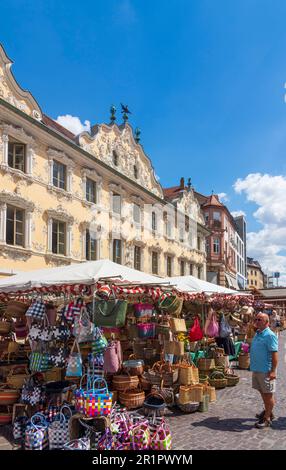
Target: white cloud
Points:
(238, 213)
(223, 197)
(269, 194)
(73, 124)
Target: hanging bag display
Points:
(37, 310)
(46, 332)
(110, 312)
(74, 363)
(58, 430)
(61, 332)
(32, 392)
(83, 327)
(143, 310)
(98, 401)
(224, 328)
(113, 357)
(58, 356)
(99, 343)
(196, 333)
(36, 434)
(212, 326)
(39, 361)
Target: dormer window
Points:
(115, 158)
(16, 155)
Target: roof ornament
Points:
(189, 184)
(137, 135)
(112, 114)
(125, 111)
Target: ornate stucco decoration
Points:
(155, 247)
(15, 252)
(104, 140)
(8, 197)
(11, 92)
(62, 157)
(60, 214)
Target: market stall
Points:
(93, 355)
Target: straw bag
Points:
(16, 309)
(244, 361)
(191, 393)
(217, 380)
(16, 380)
(206, 364)
(174, 347)
(188, 373)
(5, 327)
(171, 304)
(222, 360)
(178, 325)
(210, 391)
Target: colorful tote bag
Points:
(98, 401)
(39, 361)
(161, 438)
(83, 328)
(72, 310)
(19, 427)
(99, 343)
(110, 312)
(37, 310)
(58, 356)
(58, 430)
(74, 362)
(36, 434)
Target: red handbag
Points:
(196, 333)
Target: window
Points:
(90, 246)
(181, 234)
(137, 258)
(15, 223)
(117, 251)
(135, 169)
(116, 203)
(255, 273)
(182, 268)
(207, 247)
(59, 175)
(200, 270)
(191, 269)
(59, 237)
(206, 217)
(216, 245)
(199, 243)
(255, 282)
(154, 222)
(217, 215)
(169, 266)
(155, 269)
(16, 156)
(115, 158)
(237, 263)
(187, 223)
(137, 213)
(90, 191)
(251, 272)
(167, 225)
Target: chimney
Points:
(182, 183)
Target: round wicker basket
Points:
(125, 382)
(190, 407)
(132, 398)
(217, 380)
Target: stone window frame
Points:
(92, 175)
(118, 189)
(20, 135)
(15, 200)
(60, 157)
(62, 216)
(92, 227)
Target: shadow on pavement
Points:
(279, 424)
(231, 424)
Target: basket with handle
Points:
(171, 304)
(154, 404)
(217, 380)
(188, 373)
(125, 382)
(17, 376)
(206, 364)
(189, 407)
(98, 401)
(232, 378)
(244, 361)
(133, 366)
(132, 398)
(222, 360)
(191, 393)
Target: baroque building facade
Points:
(67, 199)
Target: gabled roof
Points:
(213, 200)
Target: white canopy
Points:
(83, 273)
(192, 284)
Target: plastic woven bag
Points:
(36, 434)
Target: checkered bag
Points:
(72, 310)
(77, 444)
(83, 329)
(46, 333)
(74, 362)
(39, 361)
(98, 401)
(51, 413)
(59, 430)
(58, 356)
(99, 343)
(37, 310)
(35, 332)
(95, 364)
(36, 434)
(161, 438)
(32, 392)
(19, 427)
(61, 332)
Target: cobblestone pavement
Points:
(229, 423)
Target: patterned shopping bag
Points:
(74, 362)
(58, 356)
(37, 310)
(19, 427)
(58, 430)
(83, 329)
(99, 343)
(161, 438)
(98, 401)
(35, 332)
(61, 332)
(72, 310)
(36, 434)
(39, 361)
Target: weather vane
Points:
(112, 114)
(125, 111)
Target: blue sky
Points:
(204, 80)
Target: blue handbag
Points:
(74, 363)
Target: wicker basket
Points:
(144, 382)
(244, 361)
(132, 398)
(163, 373)
(217, 380)
(206, 364)
(125, 382)
(191, 393)
(5, 327)
(232, 378)
(133, 366)
(190, 407)
(222, 360)
(8, 396)
(210, 391)
(53, 375)
(178, 325)
(188, 373)
(203, 379)
(154, 404)
(16, 380)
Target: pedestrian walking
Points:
(275, 322)
(263, 364)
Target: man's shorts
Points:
(260, 383)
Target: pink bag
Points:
(113, 357)
(212, 326)
(195, 333)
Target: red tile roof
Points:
(57, 127)
(213, 200)
(170, 193)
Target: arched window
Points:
(115, 158)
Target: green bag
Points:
(110, 313)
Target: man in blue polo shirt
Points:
(263, 364)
